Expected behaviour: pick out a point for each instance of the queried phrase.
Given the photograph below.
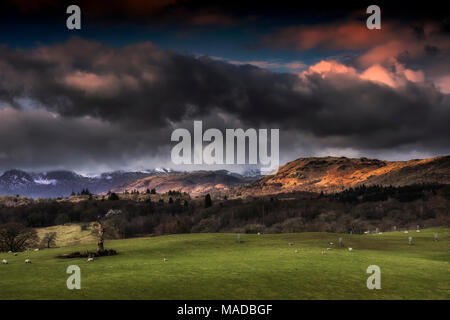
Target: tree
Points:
(106, 226)
(113, 196)
(99, 231)
(16, 237)
(208, 201)
(49, 240)
(85, 192)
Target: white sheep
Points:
(90, 259)
(4, 261)
(296, 251)
(331, 243)
(406, 231)
(291, 244)
(15, 254)
(324, 252)
(27, 261)
(37, 249)
(417, 230)
(259, 233)
(350, 249)
(165, 259)
(329, 248)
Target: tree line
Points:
(354, 210)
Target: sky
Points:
(108, 96)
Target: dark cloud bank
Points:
(87, 106)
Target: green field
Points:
(216, 266)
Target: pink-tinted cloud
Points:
(344, 36)
(395, 46)
(104, 84)
(330, 67)
(398, 76)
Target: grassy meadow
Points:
(217, 266)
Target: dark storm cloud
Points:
(116, 104)
(143, 9)
(41, 140)
(119, 12)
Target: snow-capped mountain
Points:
(16, 179)
(252, 172)
(62, 183)
(163, 170)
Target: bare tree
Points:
(99, 230)
(16, 237)
(106, 225)
(49, 240)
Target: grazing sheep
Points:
(27, 261)
(90, 259)
(4, 261)
(406, 231)
(165, 259)
(296, 251)
(10, 251)
(350, 249)
(331, 243)
(324, 252)
(259, 233)
(37, 249)
(329, 248)
(417, 230)
(15, 254)
(291, 244)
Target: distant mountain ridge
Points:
(315, 174)
(61, 183)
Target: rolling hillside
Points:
(334, 174)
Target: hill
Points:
(334, 174)
(194, 183)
